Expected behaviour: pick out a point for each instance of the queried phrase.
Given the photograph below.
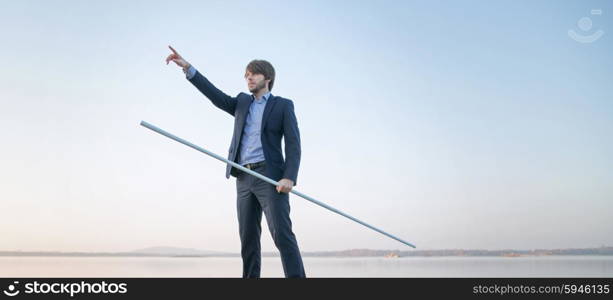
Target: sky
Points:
(473, 125)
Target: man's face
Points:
(255, 82)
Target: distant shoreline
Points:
(179, 252)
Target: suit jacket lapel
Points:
(270, 103)
(243, 111)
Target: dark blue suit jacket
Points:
(278, 121)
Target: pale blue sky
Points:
(474, 124)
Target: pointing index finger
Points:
(173, 50)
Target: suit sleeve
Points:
(219, 98)
(291, 135)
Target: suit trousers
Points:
(255, 196)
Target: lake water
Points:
(544, 266)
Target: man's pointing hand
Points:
(177, 59)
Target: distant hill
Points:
(462, 252)
(175, 251)
(145, 252)
(190, 252)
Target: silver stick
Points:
(260, 176)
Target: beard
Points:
(258, 86)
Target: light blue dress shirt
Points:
(251, 143)
(190, 73)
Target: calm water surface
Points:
(549, 266)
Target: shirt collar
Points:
(263, 99)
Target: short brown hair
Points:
(259, 66)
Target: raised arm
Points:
(217, 97)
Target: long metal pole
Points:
(260, 176)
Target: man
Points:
(260, 121)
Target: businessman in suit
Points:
(261, 120)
